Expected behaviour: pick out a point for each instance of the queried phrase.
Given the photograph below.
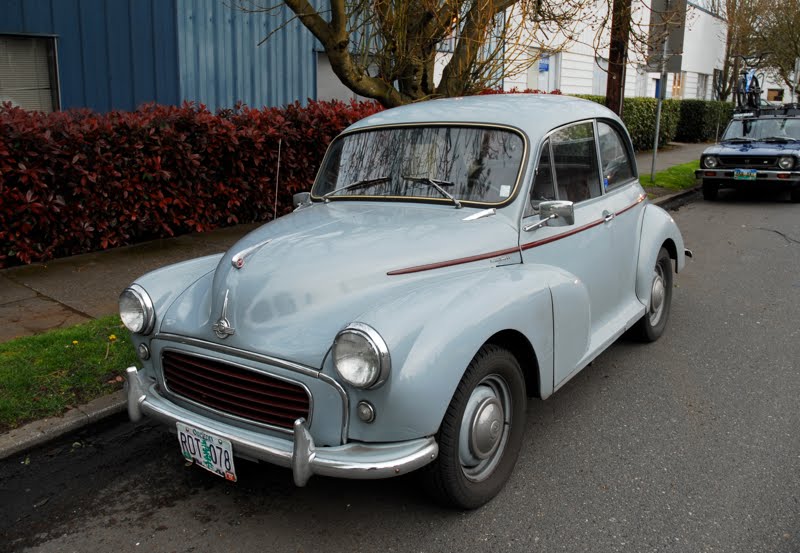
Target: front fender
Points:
(434, 332)
(164, 285)
(658, 230)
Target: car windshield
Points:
(759, 129)
(471, 164)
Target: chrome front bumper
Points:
(764, 175)
(355, 460)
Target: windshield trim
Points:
(423, 199)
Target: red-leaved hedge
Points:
(78, 181)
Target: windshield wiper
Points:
(738, 139)
(356, 184)
(437, 184)
(779, 139)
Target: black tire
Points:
(710, 191)
(449, 479)
(651, 326)
(794, 196)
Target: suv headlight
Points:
(786, 162)
(361, 357)
(136, 310)
(710, 162)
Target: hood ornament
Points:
(222, 328)
(238, 260)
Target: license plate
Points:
(210, 452)
(745, 174)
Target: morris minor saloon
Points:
(760, 150)
(452, 259)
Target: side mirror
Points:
(553, 214)
(301, 198)
(558, 213)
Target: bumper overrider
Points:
(360, 461)
(769, 177)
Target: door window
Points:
(614, 158)
(543, 188)
(575, 162)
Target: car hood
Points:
(305, 276)
(754, 148)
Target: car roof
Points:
(534, 114)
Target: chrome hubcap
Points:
(484, 428)
(657, 295)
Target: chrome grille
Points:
(749, 162)
(235, 390)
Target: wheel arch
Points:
(520, 347)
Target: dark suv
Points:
(759, 150)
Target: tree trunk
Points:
(618, 54)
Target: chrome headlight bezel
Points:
(374, 345)
(790, 162)
(710, 162)
(139, 296)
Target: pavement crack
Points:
(786, 237)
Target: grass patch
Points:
(677, 177)
(45, 375)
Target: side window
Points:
(542, 189)
(614, 159)
(575, 162)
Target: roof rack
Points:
(775, 111)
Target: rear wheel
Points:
(652, 325)
(481, 433)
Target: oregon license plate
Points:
(210, 452)
(745, 174)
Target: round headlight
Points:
(361, 357)
(136, 310)
(786, 162)
(710, 162)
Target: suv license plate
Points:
(745, 174)
(210, 452)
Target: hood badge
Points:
(222, 328)
(238, 260)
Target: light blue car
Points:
(453, 258)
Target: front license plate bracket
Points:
(745, 174)
(211, 452)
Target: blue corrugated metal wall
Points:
(221, 62)
(112, 54)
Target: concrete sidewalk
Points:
(68, 291)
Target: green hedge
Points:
(639, 115)
(702, 120)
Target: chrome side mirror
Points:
(301, 198)
(556, 213)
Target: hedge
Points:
(73, 182)
(77, 181)
(703, 120)
(639, 115)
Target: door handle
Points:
(607, 216)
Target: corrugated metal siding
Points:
(221, 62)
(112, 54)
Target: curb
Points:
(42, 431)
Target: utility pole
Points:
(661, 91)
(618, 54)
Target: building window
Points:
(545, 73)
(677, 85)
(600, 76)
(775, 95)
(28, 74)
(702, 86)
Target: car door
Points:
(568, 170)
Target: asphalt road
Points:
(689, 444)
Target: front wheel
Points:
(794, 195)
(650, 327)
(710, 191)
(481, 433)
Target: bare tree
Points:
(388, 49)
(779, 38)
